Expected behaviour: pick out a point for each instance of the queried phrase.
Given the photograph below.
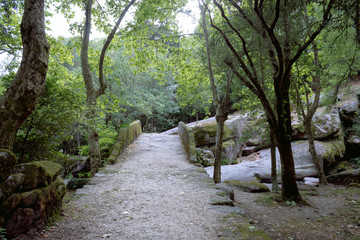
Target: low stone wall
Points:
(125, 137)
(30, 195)
(188, 141)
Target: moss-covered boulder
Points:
(20, 222)
(12, 184)
(248, 186)
(205, 134)
(10, 203)
(49, 202)
(23, 211)
(39, 173)
(7, 164)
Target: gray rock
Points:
(348, 111)
(304, 166)
(327, 124)
(226, 189)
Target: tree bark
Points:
(219, 105)
(283, 138)
(274, 180)
(311, 109)
(318, 161)
(91, 93)
(21, 97)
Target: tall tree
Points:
(92, 93)
(20, 98)
(220, 104)
(311, 106)
(272, 24)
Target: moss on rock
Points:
(334, 150)
(28, 198)
(39, 173)
(10, 203)
(125, 137)
(205, 134)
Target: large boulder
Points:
(38, 173)
(205, 134)
(7, 164)
(349, 111)
(236, 123)
(20, 222)
(326, 124)
(261, 164)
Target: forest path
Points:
(152, 193)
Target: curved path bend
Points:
(152, 193)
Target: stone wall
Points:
(30, 194)
(188, 141)
(125, 137)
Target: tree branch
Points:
(110, 37)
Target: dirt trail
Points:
(154, 193)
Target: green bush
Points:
(84, 150)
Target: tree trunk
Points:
(357, 21)
(274, 180)
(91, 94)
(219, 105)
(318, 161)
(20, 98)
(93, 136)
(220, 121)
(283, 138)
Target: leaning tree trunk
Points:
(20, 98)
(92, 94)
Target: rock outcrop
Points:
(30, 195)
(199, 138)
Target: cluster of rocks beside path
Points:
(30, 194)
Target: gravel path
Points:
(154, 193)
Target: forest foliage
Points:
(155, 73)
